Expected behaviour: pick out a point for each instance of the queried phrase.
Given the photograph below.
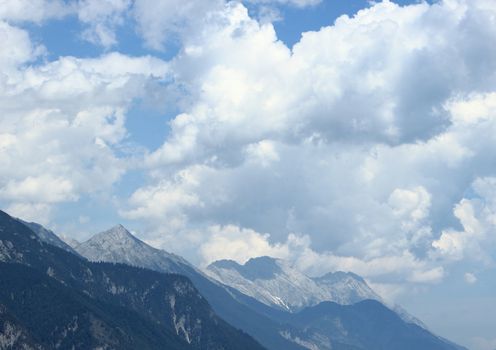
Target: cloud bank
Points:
(367, 146)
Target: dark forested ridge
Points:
(56, 316)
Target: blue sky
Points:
(339, 135)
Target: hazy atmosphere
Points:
(339, 135)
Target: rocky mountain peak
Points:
(118, 232)
(112, 242)
(118, 245)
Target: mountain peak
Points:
(116, 233)
(338, 276)
(262, 260)
(118, 245)
(115, 241)
(119, 229)
(225, 264)
(262, 267)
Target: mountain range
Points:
(118, 245)
(55, 299)
(115, 291)
(275, 283)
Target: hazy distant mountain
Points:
(56, 299)
(367, 325)
(275, 283)
(336, 311)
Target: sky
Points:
(337, 134)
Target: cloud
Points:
(262, 152)
(364, 147)
(36, 11)
(235, 243)
(173, 21)
(157, 21)
(102, 19)
(481, 343)
(414, 203)
(18, 49)
(39, 189)
(160, 22)
(167, 200)
(478, 219)
(269, 11)
(402, 267)
(296, 3)
(363, 138)
(63, 123)
(470, 278)
(37, 212)
(332, 86)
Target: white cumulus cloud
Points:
(363, 137)
(63, 123)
